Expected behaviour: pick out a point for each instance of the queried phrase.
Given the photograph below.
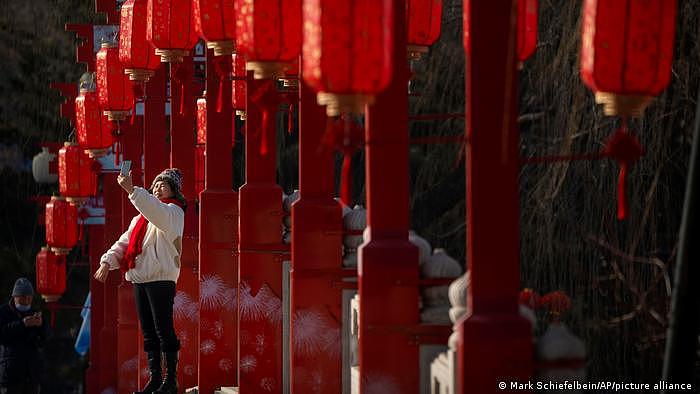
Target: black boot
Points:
(155, 371)
(169, 385)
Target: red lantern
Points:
(527, 27)
(136, 54)
(347, 51)
(626, 52)
(170, 29)
(238, 92)
(50, 275)
(61, 225)
(201, 121)
(214, 22)
(94, 130)
(423, 18)
(76, 180)
(113, 86)
(268, 33)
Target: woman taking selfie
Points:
(149, 255)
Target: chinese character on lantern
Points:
(347, 63)
(136, 54)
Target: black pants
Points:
(154, 305)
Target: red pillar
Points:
(388, 263)
(185, 311)
(316, 276)
(155, 145)
(218, 229)
(260, 249)
(492, 335)
(127, 324)
(97, 302)
(111, 193)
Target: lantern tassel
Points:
(218, 64)
(266, 98)
(290, 119)
(622, 193)
(264, 136)
(345, 182)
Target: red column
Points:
(316, 276)
(218, 335)
(492, 335)
(155, 145)
(261, 249)
(108, 335)
(388, 263)
(97, 302)
(185, 310)
(127, 324)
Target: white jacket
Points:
(162, 244)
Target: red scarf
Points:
(138, 233)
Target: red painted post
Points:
(218, 232)
(155, 145)
(84, 52)
(260, 249)
(69, 91)
(495, 342)
(97, 302)
(111, 193)
(127, 325)
(186, 318)
(109, 8)
(388, 263)
(316, 294)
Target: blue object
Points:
(82, 342)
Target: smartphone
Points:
(126, 167)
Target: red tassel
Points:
(220, 97)
(133, 114)
(622, 207)
(290, 119)
(265, 131)
(345, 181)
(182, 98)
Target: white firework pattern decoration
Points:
(331, 342)
(217, 329)
(130, 365)
(225, 364)
(230, 299)
(248, 364)
(184, 337)
(189, 370)
(380, 384)
(207, 347)
(265, 304)
(308, 331)
(184, 308)
(260, 343)
(212, 293)
(267, 384)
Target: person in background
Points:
(22, 330)
(149, 255)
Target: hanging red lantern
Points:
(113, 86)
(61, 225)
(76, 180)
(347, 52)
(238, 92)
(94, 130)
(423, 19)
(136, 54)
(214, 23)
(170, 29)
(627, 51)
(268, 33)
(50, 275)
(201, 120)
